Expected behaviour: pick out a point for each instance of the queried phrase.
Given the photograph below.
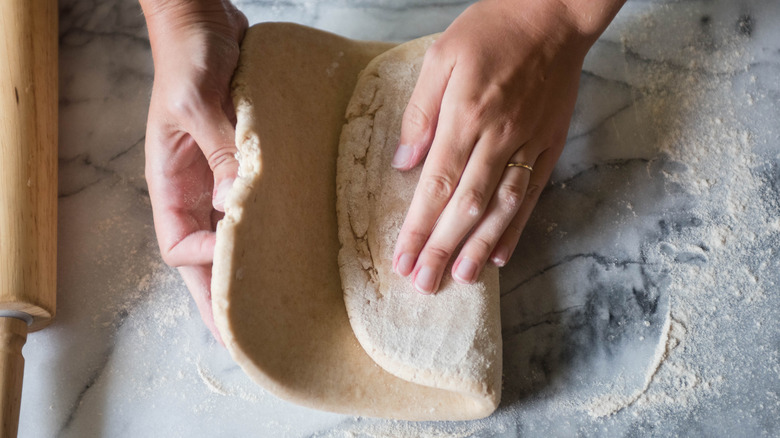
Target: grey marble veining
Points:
(642, 300)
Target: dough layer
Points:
(450, 340)
(276, 290)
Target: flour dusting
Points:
(714, 265)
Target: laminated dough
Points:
(371, 347)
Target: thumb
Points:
(421, 115)
(215, 135)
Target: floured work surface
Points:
(277, 294)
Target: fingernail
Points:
(425, 280)
(402, 156)
(221, 194)
(466, 271)
(499, 258)
(405, 265)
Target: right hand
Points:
(498, 86)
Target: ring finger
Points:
(503, 208)
(468, 204)
(505, 246)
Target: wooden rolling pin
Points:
(28, 187)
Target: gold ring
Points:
(519, 164)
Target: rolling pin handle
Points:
(13, 335)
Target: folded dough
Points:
(450, 340)
(277, 294)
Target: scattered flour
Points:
(211, 383)
(695, 113)
(216, 386)
(613, 402)
(405, 429)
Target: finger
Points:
(421, 115)
(198, 282)
(196, 248)
(184, 230)
(462, 213)
(439, 178)
(180, 188)
(215, 134)
(503, 208)
(542, 170)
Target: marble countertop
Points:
(642, 301)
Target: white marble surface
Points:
(646, 284)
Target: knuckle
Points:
(481, 246)
(533, 192)
(187, 105)
(508, 128)
(182, 108)
(184, 104)
(437, 252)
(514, 229)
(435, 52)
(416, 118)
(492, 110)
(471, 203)
(220, 156)
(510, 196)
(475, 113)
(438, 188)
(169, 257)
(413, 238)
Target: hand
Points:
(190, 146)
(498, 86)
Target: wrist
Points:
(168, 20)
(571, 24)
(591, 17)
(158, 12)
(165, 13)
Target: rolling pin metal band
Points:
(26, 317)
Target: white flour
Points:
(696, 110)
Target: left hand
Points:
(498, 86)
(190, 134)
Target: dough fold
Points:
(450, 340)
(277, 295)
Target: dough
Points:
(451, 340)
(277, 294)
